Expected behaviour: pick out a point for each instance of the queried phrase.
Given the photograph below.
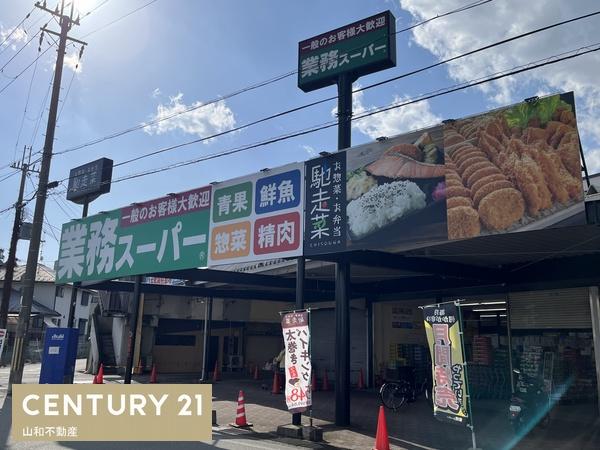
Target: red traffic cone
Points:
(361, 380)
(216, 374)
(95, 379)
(325, 382)
(256, 374)
(240, 416)
(382, 441)
(313, 384)
(100, 375)
(153, 375)
(276, 384)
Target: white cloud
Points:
(462, 32)
(156, 93)
(72, 62)
(19, 35)
(394, 121)
(209, 119)
(592, 160)
(310, 151)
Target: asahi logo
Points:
(58, 337)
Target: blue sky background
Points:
(174, 53)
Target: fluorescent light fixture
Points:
(492, 315)
(482, 303)
(489, 309)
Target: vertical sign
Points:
(325, 212)
(296, 336)
(362, 47)
(258, 217)
(443, 328)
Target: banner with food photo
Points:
(513, 169)
(395, 192)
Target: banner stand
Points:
(471, 424)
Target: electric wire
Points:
(24, 70)
(7, 37)
(119, 19)
(317, 102)
(25, 109)
(248, 89)
(554, 59)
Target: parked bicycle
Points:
(395, 393)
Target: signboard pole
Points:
(300, 267)
(466, 374)
(133, 327)
(342, 274)
(207, 329)
(76, 284)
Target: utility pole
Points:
(12, 252)
(66, 22)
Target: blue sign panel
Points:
(60, 352)
(277, 192)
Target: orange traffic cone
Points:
(276, 384)
(313, 384)
(153, 375)
(361, 380)
(256, 376)
(325, 382)
(100, 375)
(216, 374)
(382, 441)
(95, 379)
(240, 417)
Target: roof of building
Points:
(14, 306)
(44, 274)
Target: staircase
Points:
(107, 352)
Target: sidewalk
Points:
(413, 427)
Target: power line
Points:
(248, 89)
(315, 103)
(19, 51)
(455, 88)
(17, 27)
(119, 18)
(24, 70)
(25, 109)
(91, 11)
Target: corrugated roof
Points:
(44, 274)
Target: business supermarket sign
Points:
(513, 169)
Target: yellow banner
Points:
(113, 412)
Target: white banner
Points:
(298, 370)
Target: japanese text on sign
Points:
(325, 204)
(298, 368)
(449, 388)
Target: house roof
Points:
(44, 274)
(14, 306)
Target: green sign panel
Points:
(360, 48)
(232, 202)
(164, 234)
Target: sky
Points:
(173, 54)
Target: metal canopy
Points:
(543, 259)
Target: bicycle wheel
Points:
(394, 395)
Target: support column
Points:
(207, 330)
(342, 345)
(595, 312)
(300, 269)
(133, 327)
(370, 342)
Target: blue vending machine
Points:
(60, 352)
